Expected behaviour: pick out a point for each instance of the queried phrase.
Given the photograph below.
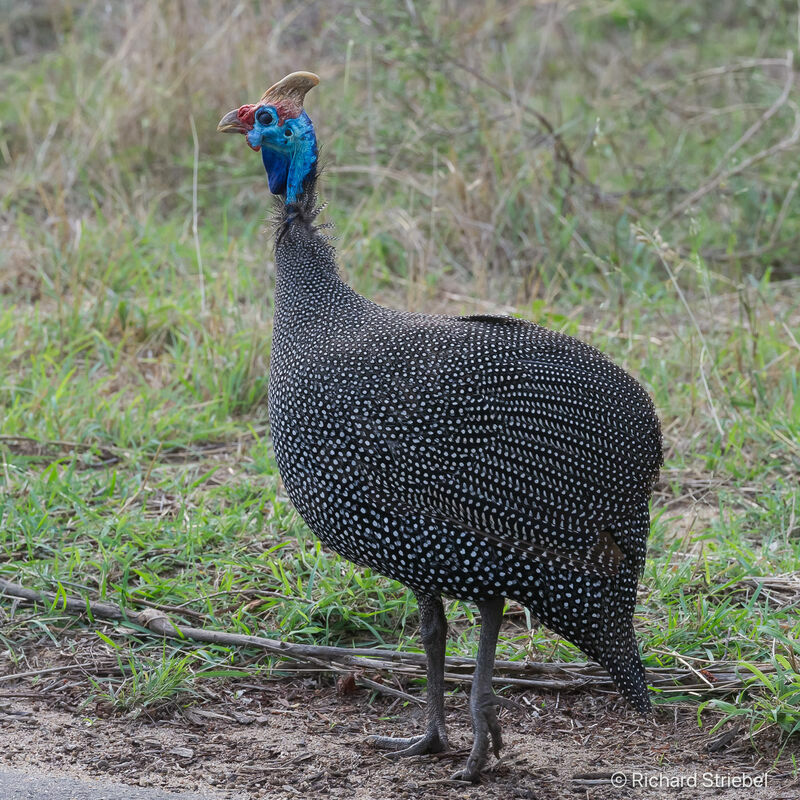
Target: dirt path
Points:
(35, 786)
(295, 739)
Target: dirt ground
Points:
(293, 738)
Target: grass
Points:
(155, 685)
(661, 226)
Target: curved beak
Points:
(231, 123)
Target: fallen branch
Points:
(55, 449)
(522, 674)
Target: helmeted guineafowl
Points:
(478, 457)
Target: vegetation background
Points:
(622, 170)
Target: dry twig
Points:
(521, 674)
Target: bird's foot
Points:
(485, 725)
(433, 740)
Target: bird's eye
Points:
(264, 116)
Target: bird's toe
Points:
(495, 731)
(432, 741)
(486, 727)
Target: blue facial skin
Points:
(289, 151)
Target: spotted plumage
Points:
(479, 458)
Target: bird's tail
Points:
(627, 671)
(596, 613)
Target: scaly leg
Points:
(482, 701)
(433, 628)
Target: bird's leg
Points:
(433, 628)
(482, 701)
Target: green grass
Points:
(142, 373)
(152, 685)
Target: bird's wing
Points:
(535, 452)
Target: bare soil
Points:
(293, 737)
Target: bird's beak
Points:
(231, 123)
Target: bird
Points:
(484, 458)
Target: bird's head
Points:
(279, 127)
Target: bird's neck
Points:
(305, 264)
(308, 290)
(293, 177)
